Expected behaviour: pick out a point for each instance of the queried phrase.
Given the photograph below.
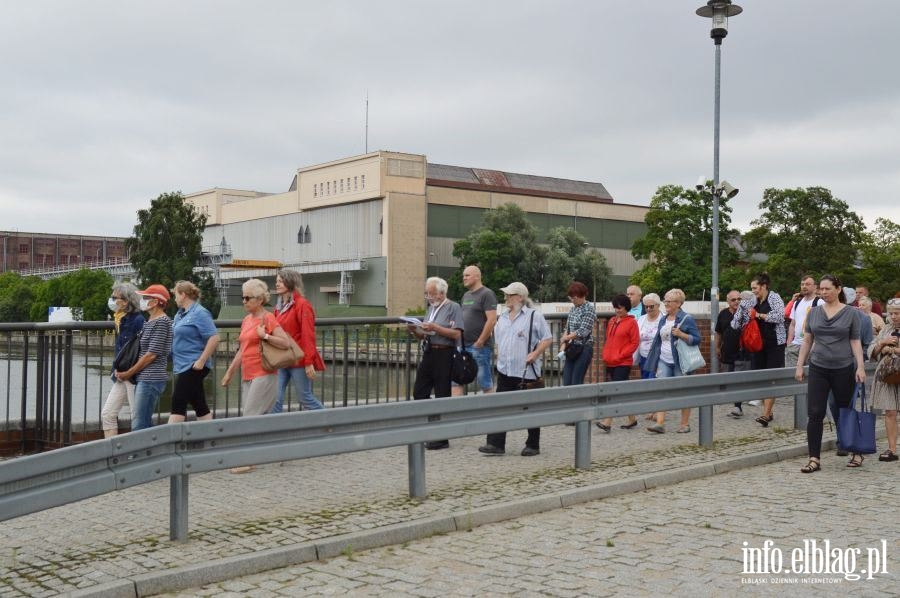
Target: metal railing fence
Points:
(55, 377)
(37, 482)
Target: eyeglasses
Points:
(114, 298)
(894, 302)
(245, 298)
(651, 305)
(734, 299)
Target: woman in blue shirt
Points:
(195, 342)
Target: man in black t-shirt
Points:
(728, 345)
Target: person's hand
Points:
(226, 378)
(478, 345)
(861, 374)
(199, 364)
(122, 376)
(798, 374)
(530, 358)
(429, 326)
(261, 331)
(310, 372)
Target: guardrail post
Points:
(178, 507)
(583, 444)
(800, 413)
(416, 455)
(706, 426)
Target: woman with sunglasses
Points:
(150, 369)
(831, 341)
(258, 385)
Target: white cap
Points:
(515, 288)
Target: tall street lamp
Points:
(718, 11)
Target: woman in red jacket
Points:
(622, 340)
(297, 318)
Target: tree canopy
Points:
(505, 246)
(880, 252)
(85, 289)
(805, 231)
(16, 297)
(678, 244)
(166, 244)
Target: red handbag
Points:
(751, 337)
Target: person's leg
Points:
(484, 357)
(890, 426)
(817, 388)
(582, 363)
(614, 374)
(197, 397)
(259, 394)
(504, 384)
(663, 370)
(424, 380)
(568, 372)
(180, 393)
(303, 388)
(146, 398)
(284, 378)
(118, 394)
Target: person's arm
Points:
(856, 345)
(489, 323)
(804, 351)
(235, 363)
(145, 360)
(790, 332)
(210, 348)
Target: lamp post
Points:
(718, 11)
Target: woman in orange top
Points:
(622, 339)
(258, 385)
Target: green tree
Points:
(16, 296)
(506, 249)
(678, 244)
(805, 231)
(567, 260)
(166, 244)
(87, 290)
(880, 251)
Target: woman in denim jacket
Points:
(663, 357)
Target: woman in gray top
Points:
(831, 340)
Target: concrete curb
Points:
(182, 578)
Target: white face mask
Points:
(112, 305)
(145, 304)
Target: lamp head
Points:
(701, 182)
(719, 11)
(726, 190)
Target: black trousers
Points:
(188, 389)
(505, 384)
(433, 374)
(841, 382)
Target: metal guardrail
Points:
(37, 482)
(52, 400)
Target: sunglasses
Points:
(894, 302)
(245, 298)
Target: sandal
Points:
(811, 467)
(888, 455)
(854, 462)
(603, 427)
(764, 420)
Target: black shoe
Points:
(630, 426)
(530, 452)
(490, 449)
(603, 427)
(437, 445)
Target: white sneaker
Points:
(755, 403)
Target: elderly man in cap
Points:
(522, 335)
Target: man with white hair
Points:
(635, 294)
(439, 333)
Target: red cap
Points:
(157, 291)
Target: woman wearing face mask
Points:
(150, 369)
(125, 304)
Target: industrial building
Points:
(366, 231)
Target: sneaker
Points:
(437, 445)
(657, 429)
(755, 403)
(736, 413)
(684, 429)
(530, 452)
(490, 449)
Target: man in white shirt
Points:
(802, 304)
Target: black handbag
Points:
(574, 349)
(463, 370)
(129, 355)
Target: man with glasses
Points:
(728, 344)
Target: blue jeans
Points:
(574, 370)
(645, 375)
(484, 358)
(146, 398)
(668, 370)
(302, 386)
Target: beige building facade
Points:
(366, 231)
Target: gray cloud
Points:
(108, 104)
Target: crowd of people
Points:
(831, 328)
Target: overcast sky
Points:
(107, 104)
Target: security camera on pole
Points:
(718, 11)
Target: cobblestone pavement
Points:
(124, 535)
(682, 540)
